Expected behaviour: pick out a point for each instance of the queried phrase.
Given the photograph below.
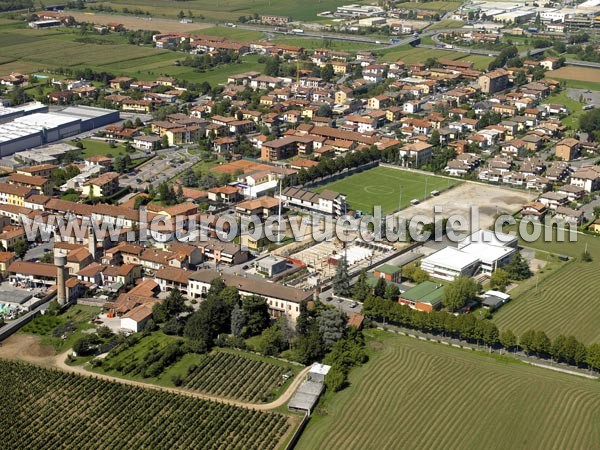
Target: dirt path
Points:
(28, 348)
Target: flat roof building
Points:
(449, 263)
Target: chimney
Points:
(92, 242)
(59, 262)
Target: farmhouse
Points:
(282, 300)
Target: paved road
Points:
(39, 251)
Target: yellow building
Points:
(12, 194)
(103, 186)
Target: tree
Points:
(586, 256)
(271, 341)
(575, 351)
(434, 139)
(20, 248)
(361, 288)
(518, 268)
(593, 356)
(336, 378)
(164, 141)
(180, 15)
(541, 343)
(460, 292)
(170, 307)
(526, 341)
(327, 72)
(272, 67)
(499, 280)
(341, 279)
(508, 339)
(392, 292)
(257, 315)
(590, 123)
(85, 345)
(324, 110)
(212, 318)
(332, 324)
(380, 287)
(238, 321)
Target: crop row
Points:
(48, 409)
(234, 376)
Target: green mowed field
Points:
(226, 10)
(314, 43)
(420, 395)
(392, 189)
(565, 301)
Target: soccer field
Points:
(392, 189)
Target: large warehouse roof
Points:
(32, 124)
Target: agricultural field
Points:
(579, 77)
(232, 375)
(411, 55)
(314, 43)
(231, 10)
(441, 6)
(420, 395)
(41, 406)
(392, 189)
(138, 23)
(64, 48)
(225, 373)
(563, 302)
(445, 24)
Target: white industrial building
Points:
(39, 128)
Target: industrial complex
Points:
(32, 125)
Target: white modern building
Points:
(490, 256)
(449, 263)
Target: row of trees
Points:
(473, 329)
(329, 166)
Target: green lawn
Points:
(575, 108)
(561, 300)
(387, 187)
(420, 395)
(93, 147)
